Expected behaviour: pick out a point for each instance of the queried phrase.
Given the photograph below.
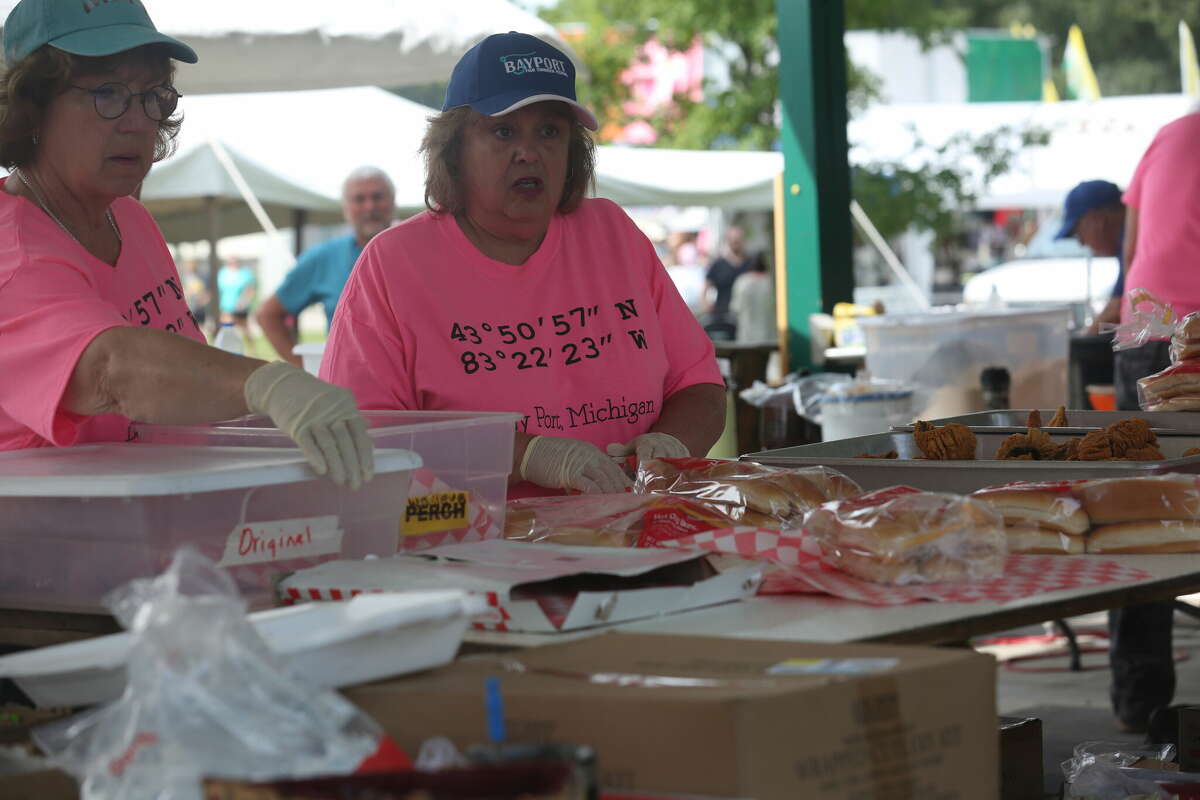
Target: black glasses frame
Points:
(151, 98)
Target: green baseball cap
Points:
(85, 28)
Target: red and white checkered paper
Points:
(802, 570)
(483, 524)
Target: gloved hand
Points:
(320, 417)
(650, 445)
(560, 463)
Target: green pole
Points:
(815, 234)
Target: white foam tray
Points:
(369, 637)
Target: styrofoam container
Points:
(467, 451)
(76, 522)
(941, 353)
(329, 644)
(311, 354)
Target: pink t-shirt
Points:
(584, 340)
(1166, 192)
(55, 297)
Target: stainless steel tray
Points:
(965, 476)
(1012, 420)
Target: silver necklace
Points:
(37, 195)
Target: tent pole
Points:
(299, 220)
(214, 263)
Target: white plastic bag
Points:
(1096, 771)
(1150, 320)
(204, 697)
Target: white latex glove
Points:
(560, 463)
(320, 417)
(650, 445)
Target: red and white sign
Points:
(278, 540)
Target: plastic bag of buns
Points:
(1043, 517)
(1149, 514)
(902, 535)
(608, 520)
(750, 493)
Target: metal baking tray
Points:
(1012, 420)
(965, 476)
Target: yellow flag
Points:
(1189, 69)
(1049, 91)
(1081, 80)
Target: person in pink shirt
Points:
(1162, 255)
(94, 326)
(515, 293)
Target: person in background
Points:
(753, 304)
(237, 287)
(368, 205)
(514, 292)
(724, 270)
(195, 291)
(1161, 254)
(93, 318)
(1094, 215)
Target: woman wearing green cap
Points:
(95, 328)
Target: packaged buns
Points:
(901, 535)
(1176, 388)
(1039, 517)
(750, 493)
(1185, 341)
(609, 520)
(1146, 536)
(1114, 500)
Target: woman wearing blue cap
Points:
(516, 293)
(93, 320)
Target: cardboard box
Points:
(728, 718)
(541, 588)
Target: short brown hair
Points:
(28, 86)
(442, 148)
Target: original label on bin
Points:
(258, 542)
(437, 511)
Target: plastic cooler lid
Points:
(140, 470)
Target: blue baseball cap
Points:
(507, 71)
(1087, 196)
(85, 28)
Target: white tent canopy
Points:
(295, 148)
(264, 45)
(1088, 139)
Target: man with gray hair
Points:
(368, 204)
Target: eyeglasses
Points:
(112, 100)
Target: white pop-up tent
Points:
(266, 45)
(293, 149)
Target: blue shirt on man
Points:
(319, 276)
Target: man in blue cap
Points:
(1094, 215)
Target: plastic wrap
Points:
(204, 697)
(751, 494)
(1039, 517)
(1097, 771)
(902, 535)
(608, 520)
(1150, 319)
(1152, 514)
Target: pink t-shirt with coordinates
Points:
(1166, 192)
(55, 298)
(585, 339)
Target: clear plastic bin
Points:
(466, 451)
(76, 522)
(941, 353)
